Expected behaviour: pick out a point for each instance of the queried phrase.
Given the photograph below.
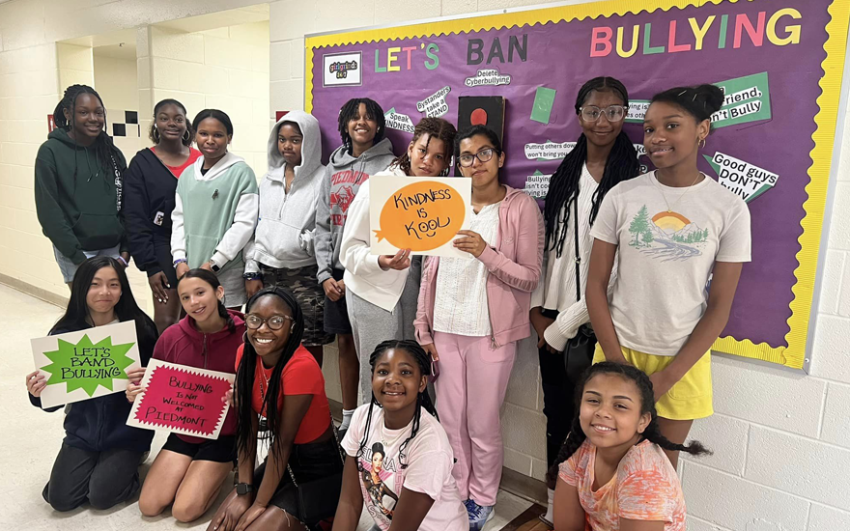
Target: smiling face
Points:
(601, 132)
(362, 128)
(199, 300)
(86, 117)
(483, 174)
(671, 135)
(610, 413)
(427, 158)
(171, 122)
(289, 140)
(268, 342)
(212, 139)
(397, 380)
(104, 292)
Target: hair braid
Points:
(621, 165)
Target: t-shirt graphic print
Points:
(667, 235)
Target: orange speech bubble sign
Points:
(422, 216)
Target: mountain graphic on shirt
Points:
(667, 235)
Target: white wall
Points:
(117, 83)
(781, 440)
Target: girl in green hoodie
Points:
(78, 182)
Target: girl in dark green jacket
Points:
(78, 182)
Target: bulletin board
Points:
(780, 63)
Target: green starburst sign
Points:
(86, 365)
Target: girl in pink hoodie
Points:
(472, 312)
(189, 471)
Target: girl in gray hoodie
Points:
(364, 152)
(282, 251)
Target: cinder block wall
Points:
(781, 439)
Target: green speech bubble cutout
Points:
(87, 365)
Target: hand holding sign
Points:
(471, 243)
(399, 261)
(419, 215)
(182, 399)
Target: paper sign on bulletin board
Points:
(182, 400)
(86, 364)
(780, 63)
(422, 214)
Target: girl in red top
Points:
(280, 380)
(189, 471)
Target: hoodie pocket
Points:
(98, 231)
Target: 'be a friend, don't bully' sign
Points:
(422, 214)
(86, 364)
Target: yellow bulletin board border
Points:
(794, 355)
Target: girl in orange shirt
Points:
(612, 471)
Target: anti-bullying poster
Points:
(182, 400)
(779, 63)
(86, 364)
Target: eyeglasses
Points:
(275, 322)
(466, 160)
(613, 113)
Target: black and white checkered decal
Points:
(123, 123)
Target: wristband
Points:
(180, 261)
(253, 276)
(123, 262)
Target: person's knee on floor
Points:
(151, 506)
(187, 510)
(107, 494)
(62, 501)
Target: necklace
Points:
(664, 195)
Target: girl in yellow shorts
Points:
(673, 231)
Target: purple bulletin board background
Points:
(553, 48)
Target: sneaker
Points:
(478, 515)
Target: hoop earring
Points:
(186, 136)
(155, 134)
(701, 143)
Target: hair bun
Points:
(711, 96)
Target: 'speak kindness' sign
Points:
(86, 364)
(182, 399)
(422, 214)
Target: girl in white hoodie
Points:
(282, 252)
(215, 209)
(383, 290)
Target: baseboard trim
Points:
(39, 293)
(514, 482)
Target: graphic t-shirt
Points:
(669, 239)
(429, 460)
(300, 376)
(645, 488)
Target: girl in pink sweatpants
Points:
(471, 313)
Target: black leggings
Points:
(104, 478)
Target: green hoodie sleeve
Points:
(54, 225)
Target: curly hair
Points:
(434, 128)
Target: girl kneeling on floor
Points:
(297, 487)
(189, 471)
(100, 456)
(398, 452)
(612, 471)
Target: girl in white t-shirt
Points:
(399, 459)
(675, 230)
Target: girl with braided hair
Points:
(188, 472)
(78, 184)
(612, 473)
(603, 157)
(382, 290)
(280, 390)
(415, 461)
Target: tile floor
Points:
(30, 439)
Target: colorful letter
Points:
(647, 35)
(699, 32)
(792, 32)
(601, 35)
(631, 51)
(672, 47)
(721, 40)
(378, 67)
(391, 58)
(431, 52)
(742, 21)
(408, 49)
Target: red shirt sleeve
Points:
(302, 375)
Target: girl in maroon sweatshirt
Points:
(189, 471)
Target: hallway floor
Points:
(31, 439)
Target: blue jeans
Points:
(69, 268)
